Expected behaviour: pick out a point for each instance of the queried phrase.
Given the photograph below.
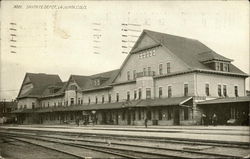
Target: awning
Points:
(174, 101)
(226, 100)
(23, 111)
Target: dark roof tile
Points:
(40, 82)
(191, 52)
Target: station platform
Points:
(234, 134)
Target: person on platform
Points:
(77, 121)
(214, 119)
(204, 119)
(146, 122)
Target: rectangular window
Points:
(236, 91)
(225, 90)
(128, 96)
(160, 114)
(96, 100)
(133, 116)
(102, 98)
(168, 67)
(109, 98)
(135, 94)
(148, 93)
(160, 69)
(232, 112)
(139, 93)
(217, 65)
(207, 89)
(149, 71)
(170, 114)
(139, 114)
(117, 97)
(185, 113)
(185, 89)
(123, 115)
(71, 101)
(128, 75)
(79, 101)
(54, 104)
(144, 72)
(33, 105)
(48, 104)
(169, 91)
(149, 115)
(225, 67)
(89, 100)
(221, 66)
(134, 74)
(160, 92)
(219, 91)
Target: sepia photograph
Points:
(124, 79)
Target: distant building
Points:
(6, 107)
(248, 93)
(163, 79)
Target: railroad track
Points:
(121, 149)
(150, 139)
(114, 152)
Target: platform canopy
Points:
(23, 111)
(226, 100)
(175, 101)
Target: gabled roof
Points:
(80, 80)
(40, 82)
(86, 82)
(210, 55)
(188, 50)
(192, 52)
(60, 86)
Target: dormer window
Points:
(215, 61)
(226, 67)
(217, 66)
(97, 82)
(73, 87)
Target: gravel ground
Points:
(11, 149)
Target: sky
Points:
(89, 37)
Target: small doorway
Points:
(176, 116)
(104, 118)
(129, 117)
(117, 118)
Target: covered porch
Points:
(229, 111)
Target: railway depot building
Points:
(163, 79)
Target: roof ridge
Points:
(106, 72)
(177, 36)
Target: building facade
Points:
(161, 80)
